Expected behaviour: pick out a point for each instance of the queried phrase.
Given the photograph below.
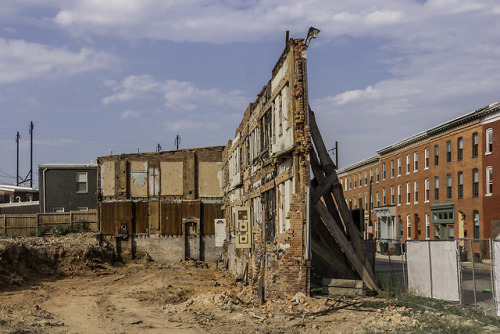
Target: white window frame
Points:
(384, 198)
(489, 141)
(399, 166)
(82, 209)
(408, 163)
(58, 209)
(399, 194)
(427, 227)
(384, 170)
(415, 192)
(392, 169)
(489, 181)
(426, 190)
(415, 162)
(86, 182)
(426, 158)
(408, 227)
(408, 193)
(392, 196)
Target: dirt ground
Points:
(71, 285)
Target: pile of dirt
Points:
(26, 260)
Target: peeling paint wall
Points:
(108, 178)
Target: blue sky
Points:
(118, 75)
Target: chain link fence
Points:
(390, 265)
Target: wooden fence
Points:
(24, 225)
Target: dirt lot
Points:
(71, 285)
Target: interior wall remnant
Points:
(108, 178)
(210, 178)
(138, 178)
(172, 180)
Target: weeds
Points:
(76, 227)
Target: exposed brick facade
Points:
(452, 212)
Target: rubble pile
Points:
(28, 259)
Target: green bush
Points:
(59, 229)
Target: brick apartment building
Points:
(437, 184)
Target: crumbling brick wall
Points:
(266, 170)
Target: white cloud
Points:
(21, 60)
(131, 114)
(177, 96)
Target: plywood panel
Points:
(108, 178)
(210, 212)
(172, 177)
(140, 216)
(113, 215)
(210, 177)
(154, 216)
(171, 221)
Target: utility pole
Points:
(31, 155)
(158, 148)
(17, 168)
(336, 153)
(177, 141)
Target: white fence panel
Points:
(433, 269)
(419, 270)
(496, 267)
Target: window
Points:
(81, 182)
(371, 202)
(392, 168)
(415, 191)
(355, 183)
(383, 171)
(377, 176)
(383, 197)
(448, 186)
(58, 209)
(476, 224)
(489, 141)
(475, 144)
(360, 180)
(360, 201)
(407, 163)
(366, 178)
(399, 194)
(489, 180)
(350, 183)
(415, 161)
(460, 184)
(460, 149)
(399, 166)
(436, 155)
(426, 157)
(448, 151)
(408, 190)
(82, 209)
(475, 182)
(378, 200)
(371, 175)
(355, 202)
(436, 188)
(392, 195)
(426, 194)
(408, 226)
(366, 202)
(345, 183)
(427, 226)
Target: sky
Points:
(123, 76)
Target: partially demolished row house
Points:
(248, 202)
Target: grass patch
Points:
(433, 316)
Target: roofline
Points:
(477, 114)
(66, 166)
(14, 204)
(359, 164)
(18, 188)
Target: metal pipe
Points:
(44, 191)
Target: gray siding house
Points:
(67, 187)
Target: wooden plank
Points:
(357, 261)
(329, 169)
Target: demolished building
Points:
(252, 202)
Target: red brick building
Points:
(437, 184)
